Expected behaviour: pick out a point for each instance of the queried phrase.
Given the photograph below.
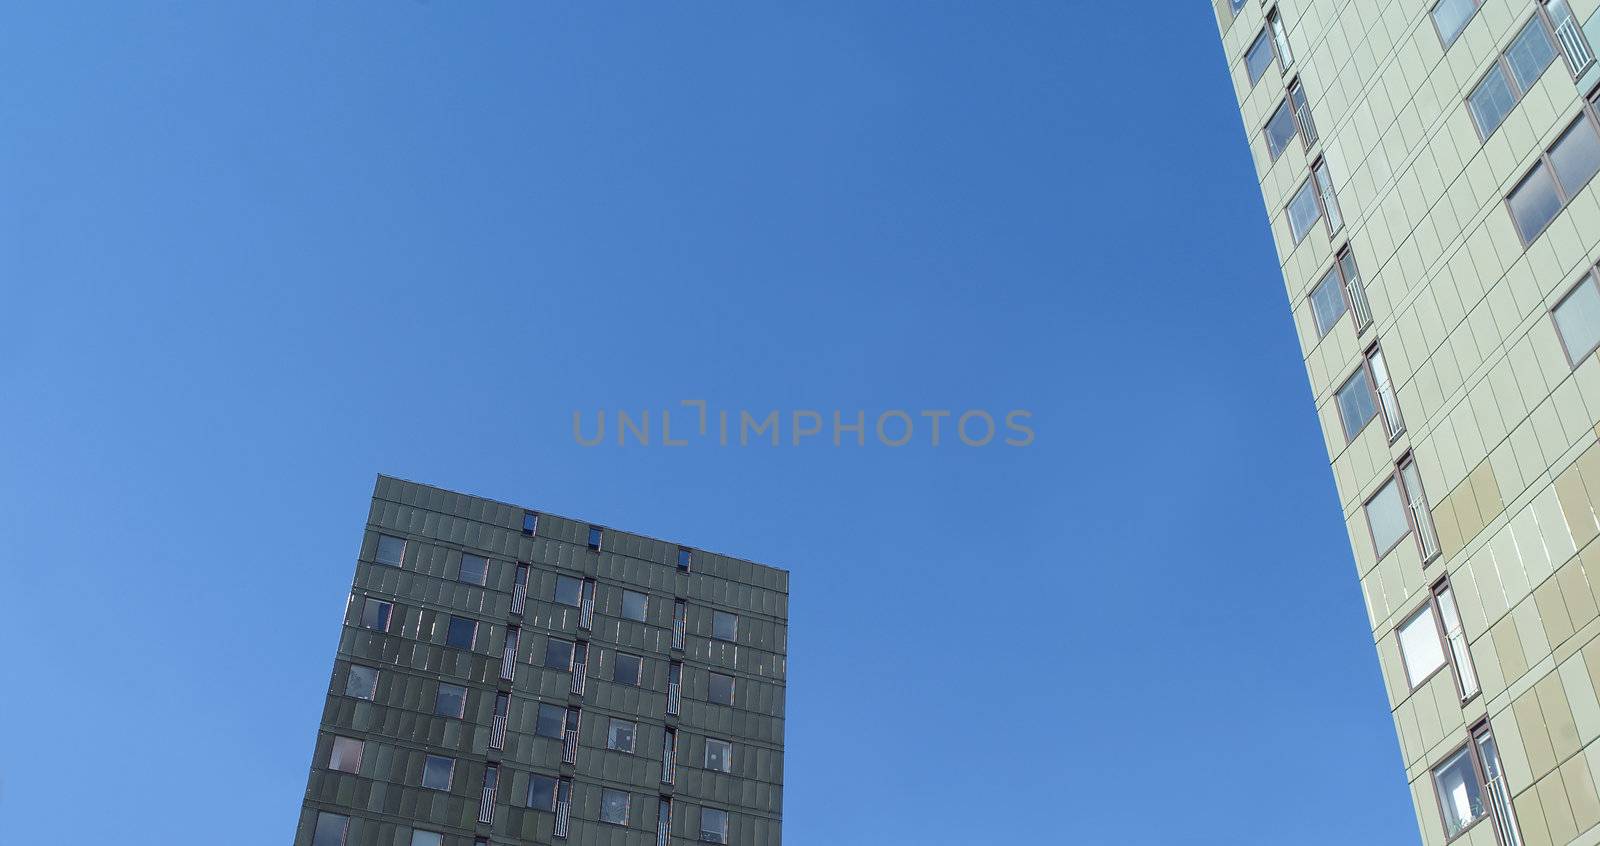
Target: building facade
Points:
(1427, 168)
(506, 676)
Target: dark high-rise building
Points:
(508, 676)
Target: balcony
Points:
(586, 613)
(679, 631)
(663, 831)
(1425, 535)
(580, 673)
(497, 732)
(519, 598)
(563, 818)
(508, 662)
(1358, 304)
(674, 697)
(486, 806)
(1574, 45)
(1393, 423)
(669, 765)
(569, 749)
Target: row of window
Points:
(1270, 46)
(1562, 170)
(332, 829)
(622, 735)
(530, 527)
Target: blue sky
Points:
(253, 257)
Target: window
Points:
(346, 754)
(1530, 53)
(436, 772)
(1460, 792)
(450, 701)
(1421, 651)
(1258, 58)
(1577, 319)
(1450, 17)
(724, 626)
(594, 538)
(1574, 45)
(627, 669)
(720, 689)
(1280, 40)
(1303, 211)
(462, 633)
(634, 605)
(719, 755)
(1573, 161)
(558, 654)
(541, 792)
(620, 736)
(1330, 203)
(551, 720)
(569, 591)
(614, 806)
(1512, 75)
(474, 569)
(1444, 604)
(1388, 403)
(685, 559)
(426, 838)
(391, 550)
(1302, 113)
(375, 614)
(1327, 302)
(362, 682)
(1416, 505)
(1386, 517)
(1499, 793)
(1491, 101)
(713, 825)
(1358, 403)
(330, 829)
(530, 523)
(1236, 5)
(1280, 130)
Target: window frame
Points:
(615, 665)
(1586, 112)
(1589, 277)
(450, 630)
(1476, 5)
(333, 753)
(461, 713)
(685, 559)
(555, 591)
(1476, 732)
(372, 695)
(555, 783)
(644, 615)
(572, 647)
(461, 570)
(561, 726)
(627, 805)
(733, 688)
(717, 614)
(1542, 9)
(727, 823)
(1392, 478)
(378, 550)
(450, 777)
(1362, 369)
(1266, 133)
(1503, 62)
(633, 735)
(344, 826)
(388, 617)
(1438, 632)
(1262, 36)
(727, 755)
(1306, 129)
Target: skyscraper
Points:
(507, 676)
(1427, 171)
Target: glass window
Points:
(1489, 759)
(462, 633)
(390, 550)
(436, 772)
(1236, 5)
(1578, 319)
(1386, 514)
(362, 682)
(530, 523)
(1530, 54)
(558, 654)
(426, 838)
(375, 614)
(1460, 657)
(551, 720)
(719, 755)
(626, 669)
(594, 537)
(450, 701)
(1302, 111)
(569, 591)
(684, 558)
(634, 605)
(1491, 101)
(1420, 646)
(1330, 203)
(713, 825)
(541, 792)
(1534, 203)
(1357, 403)
(621, 735)
(724, 626)
(1258, 58)
(330, 829)
(1303, 211)
(474, 569)
(1576, 156)
(720, 689)
(614, 806)
(346, 755)
(1450, 17)
(1327, 302)
(1280, 130)
(1460, 794)
(1280, 40)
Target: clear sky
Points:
(253, 257)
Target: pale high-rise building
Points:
(1427, 169)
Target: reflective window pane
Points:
(451, 700)
(1259, 57)
(330, 829)
(1330, 202)
(362, 682)
(614, 806)
(724, 626)
(1534, 203)
(1460, 795)
(1327, 302)
(390, 550)
(621, 735)
(1280, 130)
(426, 838)
(720, 689)
(626, 669)
(474, 569)
(1491, 101)
(1357, 402)
(569, 591)
(346, 755)
(1530, 54)
(634, 605)
(1451, 17)
(713, 825)
(436, 772)
(1420, 646)
(1578, 319)
(550, 721)
(1576, 156)
(1302, 112)
(1303, 211)
(558, 654)
(541, 792)
(462, 633)
(1386, 514)
(719, 755)
(375, 614)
